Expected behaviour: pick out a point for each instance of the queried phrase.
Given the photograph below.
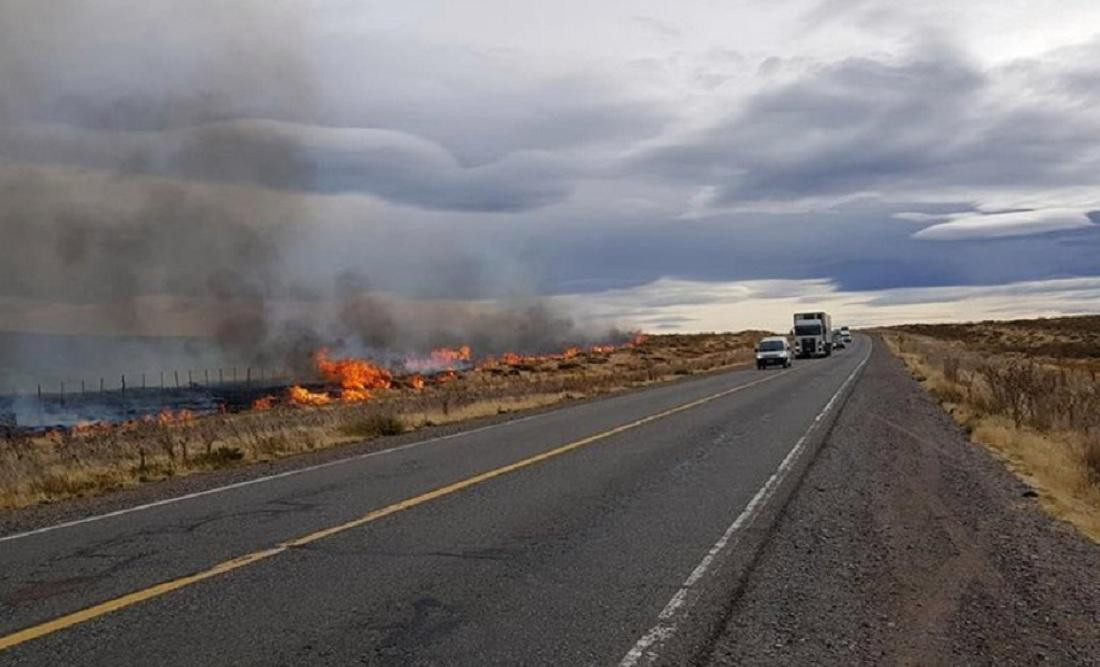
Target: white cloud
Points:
(688, 306)
(970, 226)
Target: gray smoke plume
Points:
(151, 194)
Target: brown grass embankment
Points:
(65, 463)
(1039, 414)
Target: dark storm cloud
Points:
(863, 125)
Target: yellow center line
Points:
(131, 599)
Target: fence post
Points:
(40, 392)
(123, 383)
(221, 378)
(206, 376)
(101, 385)
(81, 385)
(177, 374)
(62, 392)
(189, 381)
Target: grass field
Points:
(1029, 391)
(67, 463)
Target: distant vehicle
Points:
(773, 351)
(846, 333)
(813, 335)
(838, 340)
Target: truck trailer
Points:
(813, 334)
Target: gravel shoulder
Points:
(907, 544)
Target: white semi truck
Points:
(813, 334)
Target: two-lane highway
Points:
(576, 536)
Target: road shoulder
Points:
(905, 543)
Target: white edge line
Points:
(259, 480)
(665, 628)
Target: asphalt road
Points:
(601, 531)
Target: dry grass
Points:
(1038, 411)
(64, 464)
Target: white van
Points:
(773, 351)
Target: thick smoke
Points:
(151, 198)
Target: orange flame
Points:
(416, 381)
(356, 377)
(354, 395)
(303, 396)
(166, 416)
(441, 358)
(352, 374)
(265, 403)
(513, 359)
(445, 356)
(90, 427)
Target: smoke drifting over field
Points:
(170, 261)
(166, 189)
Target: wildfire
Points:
(303, 396)
(90, 427)
(448, 356)
(359, 378)
(354, 395)
(167, 416)
(265, 403)
(440, 359)
(356, 377)
(513, 359)
(352, 374)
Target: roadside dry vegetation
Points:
(65, 463)
(1029, 391)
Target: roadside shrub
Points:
(1092, 457)
(951, 369)
(220, 456)
(374, 426)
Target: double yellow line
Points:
(131, 599)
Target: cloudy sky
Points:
(674, 166)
